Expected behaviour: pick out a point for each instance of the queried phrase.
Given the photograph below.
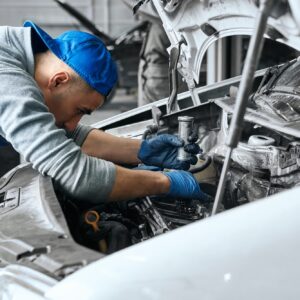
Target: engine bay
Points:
(71, 234)
(265, 162)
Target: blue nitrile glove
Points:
(183, 184)
(161, 151)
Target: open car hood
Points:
(200, 23)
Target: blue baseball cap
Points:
(85, 53)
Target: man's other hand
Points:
(183, 184)
(162, 151)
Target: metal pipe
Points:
(173, 74)
(222, 182)
(253, 55)
(195, 97)
(185, 129)
(174, 57)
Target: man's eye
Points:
(83, 111)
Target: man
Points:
(46, 86)
(153, 73)
(154, 66)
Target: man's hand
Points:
(183, 184)
(161, 151)
(133, 184)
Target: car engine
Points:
(265, 162)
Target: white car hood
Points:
(250, 252)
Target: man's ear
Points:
(58, 80)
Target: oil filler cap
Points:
(260, 140)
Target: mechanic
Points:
(46, 86)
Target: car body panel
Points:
(19, 282)
(250, 252)
(34, 231)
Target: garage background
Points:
(110, 16)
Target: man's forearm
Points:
(131, 184)
(115, 149)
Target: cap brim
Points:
(45, 37)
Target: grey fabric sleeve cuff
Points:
(79, 134)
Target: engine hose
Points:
(205, 164)
(150, 130)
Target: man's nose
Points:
(72, 124)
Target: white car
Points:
(158, 248)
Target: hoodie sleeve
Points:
(79, 134)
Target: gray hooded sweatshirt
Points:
(27, 124)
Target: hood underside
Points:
(200, 23)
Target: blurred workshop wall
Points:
(110, 16)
